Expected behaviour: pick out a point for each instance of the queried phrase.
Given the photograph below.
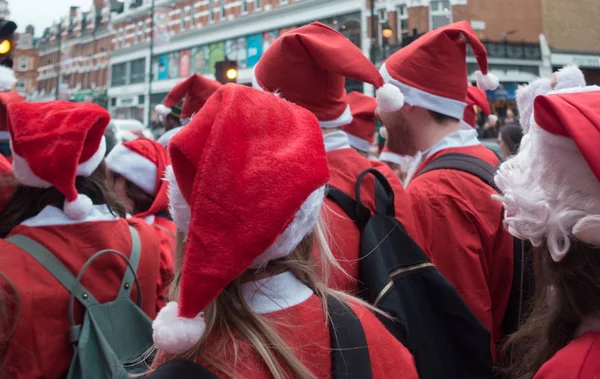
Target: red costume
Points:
(580, 359)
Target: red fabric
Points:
(6, 189)
(308, 67)
(40, 347)
(305, 330)
(419, 64)
(463, 235)
(196, 89)
(580, 359)
(165, 230)
(576, 116)
(5, 99)
(475, 96)
(363, 116)
(277, 158)
(56, 136)
(345, 166)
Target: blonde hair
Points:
(234, 318)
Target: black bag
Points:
(430, 318)
(349, 351)
(522, 288)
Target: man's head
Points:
(171, 122)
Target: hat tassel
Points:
(174, 334)
(79, 208)
(487, 82)
(389, 98)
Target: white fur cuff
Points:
(174, 334)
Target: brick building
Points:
(192, 35)
(74, 64)
(25, 62)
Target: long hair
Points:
(27, 202)
(235, 322)
(140, 199)
(566, 291)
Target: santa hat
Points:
(361, 132)
(477, 96)
(5, 99)
(567, 77)
(431, 72)
(6, 190)
(308, 67)
(143, 163)
(53, 143)
(196, 90)
(232, 225)
(551, 188)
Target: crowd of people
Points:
(292, 230)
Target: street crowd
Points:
(292, 230)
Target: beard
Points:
(401, 139)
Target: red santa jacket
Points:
(298, 317)
(345, 164)
(40, 346)
(466, 239)
(580, 359)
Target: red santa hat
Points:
(308, 67)
(143, 163)
(361, 132)
(53, 143)
(431, 72)
(477, 96)
(551, 188)
(232, 225)
(6, 190)
(5, 99)
(196, 90)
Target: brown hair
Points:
(511, 135)
(142, 201)
(441, 118)
(566, 291)
(27, 202)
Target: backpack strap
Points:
(55, 267)
(357, 212)
(384, 193)
(465, 163)
(349, 349)
(134, 260)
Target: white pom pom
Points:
(383, 132)
(389, 98)
(569, 77)
(493, 119)
(79, 208)
(163, 109)
(487, 82)
(178, 206)
(7, 79)
(176, 335)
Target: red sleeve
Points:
(389, 358)
(580, 359)
(166, 235)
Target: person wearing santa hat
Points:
(476, 97)
(466, 240)
(193, 91)
(248, 268)
(551, 196)
(308, 66)
(403, 166)
(137, 169)
(7, 96)
(361, 131)
(63, 203)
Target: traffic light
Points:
(7, 42)
(226, 71)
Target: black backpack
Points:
(349, 350)
(522, 288)
(395, 275)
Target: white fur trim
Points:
(344, 119)
(179, 208)
(359, 143)
(548, 189)
(460, 138)
(79, 208)
(569, 77)
(493, 118)
(416, 97)
(174, 334)
(487, 82)
(134, 167)
(163, 109)
(525, 97)
(7, 79)
(383, 132)
(54, 216)
(4, 135)
(337, 140)
(88, 167)
(275, 293)
(389, 98)
(255, 84)
(388, 156)
(303, 223)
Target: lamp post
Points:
(58, 63)
(373, 32)
(151, 70)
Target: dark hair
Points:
(511, 135)
(566, 291)
(442, 118)
(141, 200)
(27, 202)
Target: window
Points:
(23, 64)
(138, 71)
(440, 13)
(403, 21)
(182, 21)
(256, 4)
(211, 14)
(244, 6)
(119, 74)
(21, 85)
(222, 9)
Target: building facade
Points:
(74, 56)
(25, 62)
(191, 36)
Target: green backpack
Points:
(113, 336)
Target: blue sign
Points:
(255, 49)
(506, 91)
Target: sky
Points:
(41, 13)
